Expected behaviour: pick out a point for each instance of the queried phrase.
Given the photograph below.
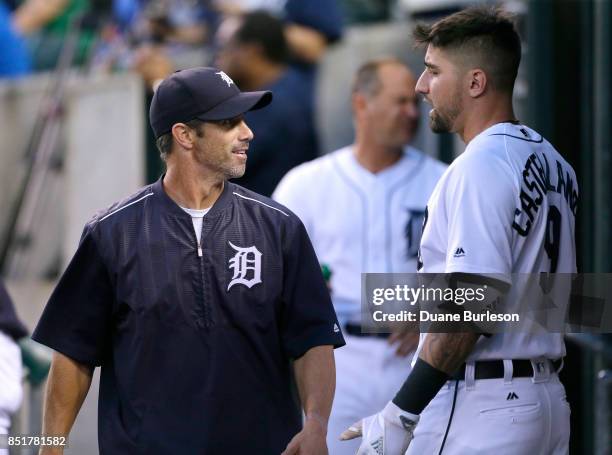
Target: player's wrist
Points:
(316, 422)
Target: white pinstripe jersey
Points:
(359, 221)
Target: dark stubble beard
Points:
(218, 164)
(441, 120)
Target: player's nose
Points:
(245, 132)
(421, 85)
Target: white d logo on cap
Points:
(228, 80)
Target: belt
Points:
(494, 369)
(355, 330)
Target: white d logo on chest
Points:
(246, 265)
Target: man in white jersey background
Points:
(363, 208)
(507, 205)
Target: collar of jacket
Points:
(223, 201)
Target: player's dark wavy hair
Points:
(486, 35)
(260, 27)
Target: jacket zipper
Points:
(207, 320)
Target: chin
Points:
(235, 173)
(438, 129)
(409, 138)
(438, 126)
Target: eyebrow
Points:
(430, 65)
(232, 120)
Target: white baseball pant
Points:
(517, 416)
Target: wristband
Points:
(421, 386)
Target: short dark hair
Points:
(165, 141)
(261, 28)
(366, 79)
(487, 34)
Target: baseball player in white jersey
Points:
(11, 393)
(363, 208)
(506, 206)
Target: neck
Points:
(375, 157)
(192, 189)
(262, 75)
(484, 117)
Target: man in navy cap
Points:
(199, 299)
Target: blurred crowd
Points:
(119, 34)
(261, 44)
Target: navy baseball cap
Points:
(202, 93)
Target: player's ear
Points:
(358, 102)
(182, 135)
(477, 82)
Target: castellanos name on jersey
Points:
(507, 205)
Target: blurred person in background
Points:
(46, 25)
(11, 330)
(310, 26)
(363, 207)
(181, 21)
(14, 58)
(256, 56)
(32, 15)
(177, 30)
